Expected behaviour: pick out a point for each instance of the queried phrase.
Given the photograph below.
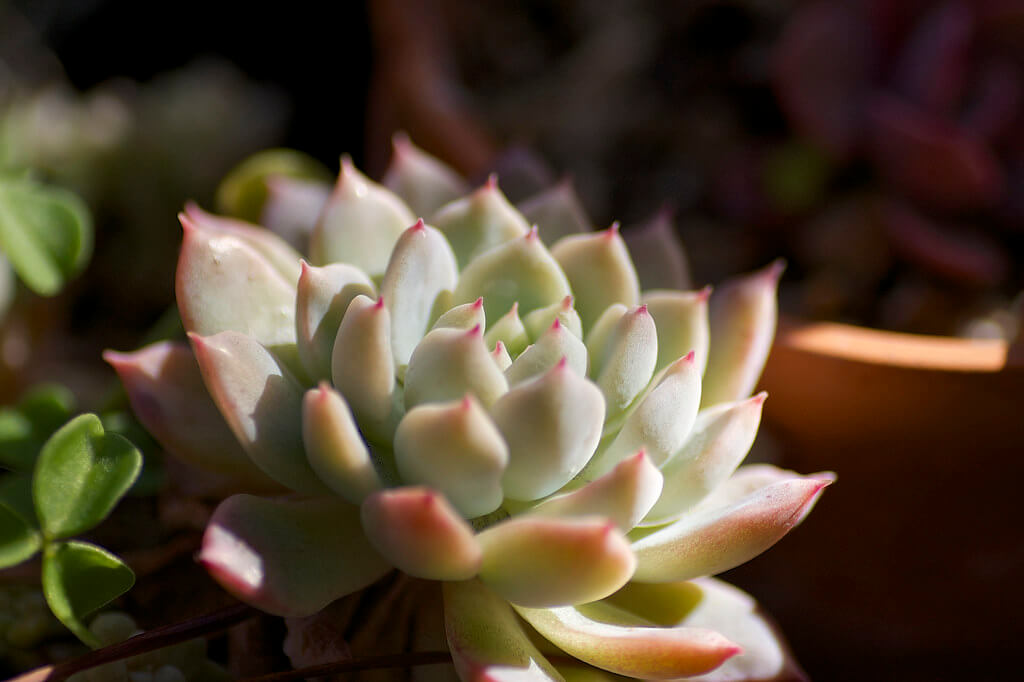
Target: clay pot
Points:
(912, 561)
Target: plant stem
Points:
(157, 638)
(406, 660)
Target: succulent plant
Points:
(458, 401)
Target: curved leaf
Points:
(289, 557)
(599, 270)
(18, 539)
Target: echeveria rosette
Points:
(454, 399)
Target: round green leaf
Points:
(45, 232)
(79, 578)
(24, 429)
(18, 539)
(81, 474)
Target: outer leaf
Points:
(552, 425)
(520, 271)
(79, 578)
(81, 474)
(557, 212)
(292, 208)
(324, 295)
(421, 270)
(681, 318)
(479, 222)
(721, 438)
(600, 272)
(465, 316)
(456, 449)
(18, 539)
(656, 248)
(742, 320)
(721, 534)
(539, 562)
(167, 395)
(486, 640)
(45, 233)
(421, 534)
(226, 284)
(733, 613)
(616, 642)
(360, 223)
(421, 180)
(261, 402)
(289, 557)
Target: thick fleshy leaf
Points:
(289, 557)
(421, 534)
(45, 233)
(449, 363)
(421, 180)
(661, 421)
(733, 613)
(479, 222)
(541, 562)
(681, 318)
(81, 474)
(625, 364)
(552, 425)
(624, 495)
(509, 331)
(557, 212)
(18, 539)
(362, 364)
(334, 448)
(658, 253)
(422, 268)
(281, 256)
(552, 346)
(323, 297)
(486, 639)
(360, 223)
(456, 449)
(292, 208)
(599, 270)
(465, 316)
(167, 395)
(225, 284)
(600, 334)
(538, 321)
(520, 271)
(261, 402)
(718, 535)
(608, 638)
(742, 322)
(720, 439)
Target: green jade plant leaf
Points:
(554, 436)
(79, 476)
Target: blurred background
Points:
(878, 145)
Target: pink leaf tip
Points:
(760, 398)
(567, 302)
(492, 182)
(642, 309)
(498, 348)
(704, 294)
(477, 330)
(419, 226)
(556, 325)
(533, 235)
(478, 303)
(613, 231)
(379, 305)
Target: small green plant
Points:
(45, 235)
(60, 487)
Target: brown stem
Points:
(407, 660)
(157, 638)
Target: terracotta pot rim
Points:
(896, 349)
